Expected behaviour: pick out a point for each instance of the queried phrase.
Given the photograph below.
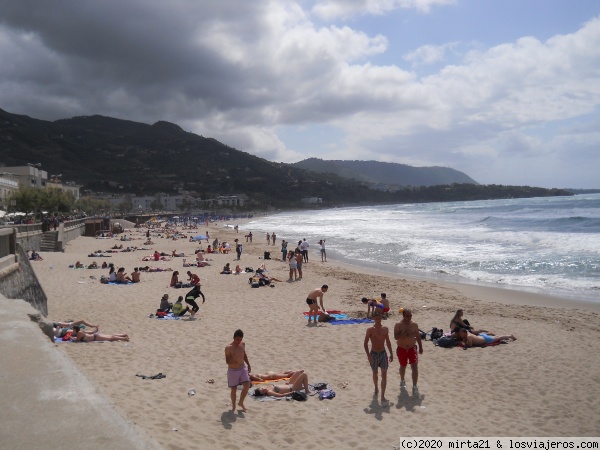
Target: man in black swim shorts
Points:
(311, 301)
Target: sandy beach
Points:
(544, 384)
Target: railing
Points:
(28, 228)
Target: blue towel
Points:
(350, 321)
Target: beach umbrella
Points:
(198, 238)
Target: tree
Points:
(92, 206)
(125, 206)
(26, 199)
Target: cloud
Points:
(336, 9)
(429, 54)
(242, 72)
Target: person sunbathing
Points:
(95, 336)
(474, 340)
(62, 328)
(155, 269)
(298, 381)
(457, 323)
(273, 375)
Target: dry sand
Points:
(547, 383)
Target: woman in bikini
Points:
(457, 323)
(259, 377)
(298, 381)
(84, 336)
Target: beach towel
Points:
(350, 321)
(169, 316)
(264, 398)
(119, 284)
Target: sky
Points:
(506, 91)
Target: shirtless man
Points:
(135, 276)
(482, 339)
(379, 337)
(407, 337)
(311, 301)
(238, 368)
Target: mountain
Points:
(105, 154)
(386, 173)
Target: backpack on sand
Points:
(436, 333)
(299, 396)
(445, 342)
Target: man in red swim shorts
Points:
(406, 333)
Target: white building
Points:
(151, 202)
(8, 186)
(32, 176)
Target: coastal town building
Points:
(8, 186)
(32, 176)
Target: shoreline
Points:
(508, 294)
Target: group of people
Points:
(271, 238)
(239, 372)
(76, 331)
(177, 308)
(381, 304)
(467, 336)
(120, 276)
(192, 280)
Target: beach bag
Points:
(320, 386)
(436, 333)
(299, 396)
(445, 342)
(326, 393)
(103, 280)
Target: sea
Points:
(548, 245)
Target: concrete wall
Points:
(18, 280)
(68, 231)
(30, 239)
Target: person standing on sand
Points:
(238, 249)
(268, 238)
(407, 337)
(299, 263)
(323, 252)
(304, 247)
(273, 236)
(238, 368)
(380, 338)
(283, 250)
(311, 301)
